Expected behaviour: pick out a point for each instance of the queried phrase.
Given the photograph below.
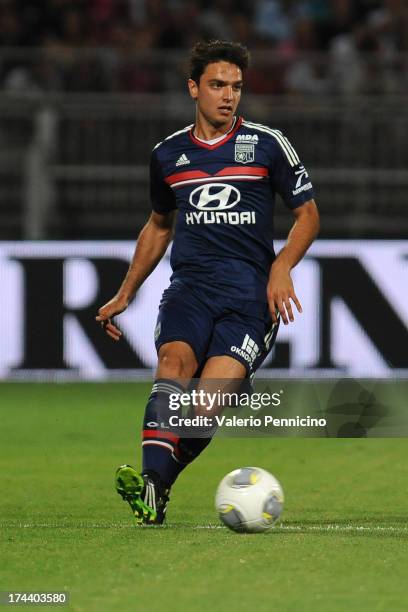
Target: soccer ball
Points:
(249, 500)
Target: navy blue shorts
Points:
(214, 325)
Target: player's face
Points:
(218, 93)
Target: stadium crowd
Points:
(305, 46)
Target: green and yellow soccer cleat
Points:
(147, 500)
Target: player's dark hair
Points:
(208, 52)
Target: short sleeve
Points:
(161, 195)
(289, 177)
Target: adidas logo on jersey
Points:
(182, 160)
(247, 138)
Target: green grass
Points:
(342, 544)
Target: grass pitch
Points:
(342, 543)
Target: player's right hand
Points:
(114, 307)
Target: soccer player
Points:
(214, 182)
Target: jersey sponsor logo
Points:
(244, 153)
(182, 160)
(302, 188)
(247, 138)
(215, 196)
(301, 173)
(248, 349)
(217, 216)
(212, 200)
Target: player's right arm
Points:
(150, 248)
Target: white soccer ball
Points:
(249, 500)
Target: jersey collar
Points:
(227, 136)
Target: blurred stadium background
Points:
(89, 87)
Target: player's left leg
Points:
(223, 367)
(192, 443)
(239, 344)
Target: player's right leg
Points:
(147, 492)
(183, 323)
(146, 497)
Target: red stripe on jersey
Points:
(251, 170)
(230, 171)
(164, 435)
(221, 142)
(185, 176)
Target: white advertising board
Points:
(354, 322)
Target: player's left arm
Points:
(280, 289)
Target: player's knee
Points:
(173, 364)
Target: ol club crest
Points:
(244, 153)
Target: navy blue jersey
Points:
(225, 197)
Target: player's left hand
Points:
(280, 292)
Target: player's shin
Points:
(159, 442)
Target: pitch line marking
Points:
(278, 528)
(320, 528)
